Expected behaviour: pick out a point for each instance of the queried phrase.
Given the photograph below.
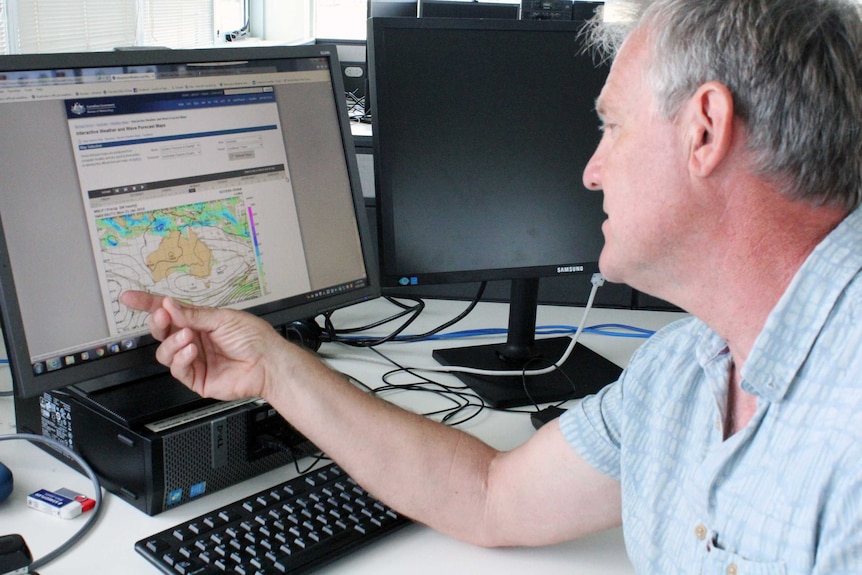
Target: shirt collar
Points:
(794, 324)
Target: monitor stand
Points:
(584, 373)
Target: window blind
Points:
(186, 24)
(64, 26)
(3, 46)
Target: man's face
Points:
(640, 165)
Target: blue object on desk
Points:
(5, 482)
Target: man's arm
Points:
(539, 493)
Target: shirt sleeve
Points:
(592, 428)
(600, 424)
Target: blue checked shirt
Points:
(783, 495)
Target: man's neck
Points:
(759, 248)
(759, 270)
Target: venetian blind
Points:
(186, 24)
(81, 25)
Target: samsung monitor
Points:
(482, 131)
(221, 177)
(467, 9)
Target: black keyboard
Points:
(295, 527)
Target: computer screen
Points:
(467, 9)
(222, 177)
(482, 130)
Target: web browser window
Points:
(224, 191)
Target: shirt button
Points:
(700, 532)
(732, 569)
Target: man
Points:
(731, 165)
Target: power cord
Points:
(269, 441)
(411, 312)
(97, 490)
(464, 402)
(338, 335)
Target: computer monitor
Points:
(482, 131)
(222, 177)
(467, 9)
(583, 10)
(393, 8)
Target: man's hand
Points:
(219, 353)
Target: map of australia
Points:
(202, 254)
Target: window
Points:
(340, 19)
(229, 16)
(186, 24)
(346, 19)
(63, 26)
(3, 27)
(28, 26)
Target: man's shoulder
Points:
(671, 361)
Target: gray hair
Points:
(793, 67)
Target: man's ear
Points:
(710, 123)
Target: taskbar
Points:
(66, 360)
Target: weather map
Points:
(202, 253)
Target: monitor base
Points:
(584, 373)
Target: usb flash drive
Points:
(54, 504)
(86, 502)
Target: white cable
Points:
(597, 280)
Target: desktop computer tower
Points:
(176, 452)
(546, 9)
(558, 9)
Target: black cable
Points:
(405, 310)
(272, 442)
(335, 335)
(329, 327)
(448, 392)
(476, 299)
(525, 381)
(461, 398)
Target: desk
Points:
(416, 549)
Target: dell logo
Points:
(218, 442)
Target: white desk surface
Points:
(416, 549)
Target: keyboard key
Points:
(157, 546)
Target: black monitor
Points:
(467, 9)
(222, 177)
(482, 131)
(393, 8)
(583, 10)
